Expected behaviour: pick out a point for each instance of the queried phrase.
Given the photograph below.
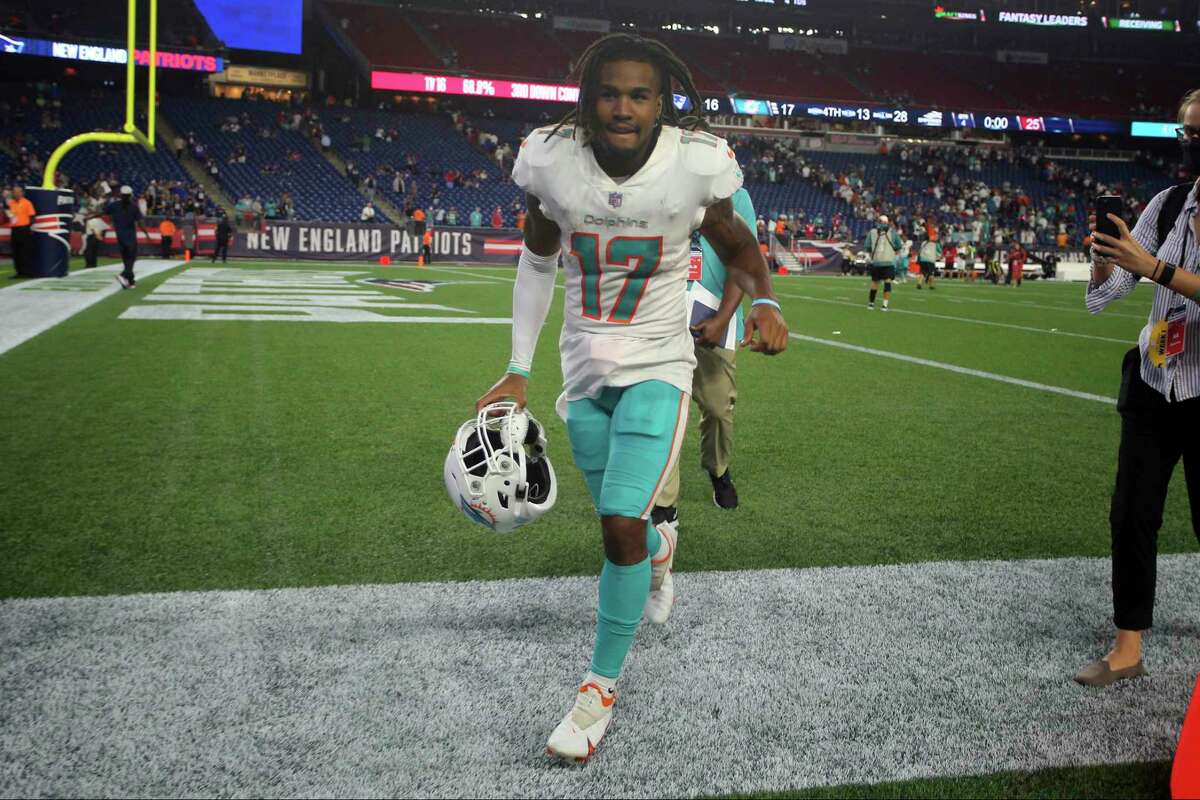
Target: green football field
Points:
(149, 451)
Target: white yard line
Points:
(35, 306)
(969, 320)
(977, 373)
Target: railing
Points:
(1089, 154)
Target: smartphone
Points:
(1108, 204)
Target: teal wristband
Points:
(766, 301)
(513, 369)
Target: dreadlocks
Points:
(631, 47)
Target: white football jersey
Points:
(626, 247)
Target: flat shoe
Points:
(1099, 674)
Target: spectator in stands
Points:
(166, 234)
(476, 218)
(452, 216)
(497, 218)
(20, 216)
(368, 212)
(326, 142)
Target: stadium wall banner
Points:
(1136, 24)
(806, 44)
(1022, 57)
(582, 24)
(75, 51)
(327, 241)
(263, 76)
(1044, 20)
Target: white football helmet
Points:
(497, 471)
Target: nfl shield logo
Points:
(614, 199)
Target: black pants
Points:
(427, 253)
(167, 241)
(22, 250)
(128, 255)
(222, 250)
(92, 251)
(1155, 434)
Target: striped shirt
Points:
(1179, 378)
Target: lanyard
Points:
(1187, 234)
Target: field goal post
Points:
(131, 134)
(48, 246)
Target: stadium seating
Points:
(437, 147)
(78, 114)
(503, 46)
(318, 190)
(384, 36)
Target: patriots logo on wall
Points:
(614, 199)
(410, 285)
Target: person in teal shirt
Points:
(717, 325)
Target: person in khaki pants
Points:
(717, 326)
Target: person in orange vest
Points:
(427, 247)
(166, 232)
(20, 215)
(521, 220)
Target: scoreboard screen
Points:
(274, 25)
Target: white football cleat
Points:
(576, 737)
(661, 601)
(662, 583)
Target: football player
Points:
(619, 185)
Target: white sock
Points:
(885, 302)
(607, 684)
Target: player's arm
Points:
(738, 250)
(532, 295)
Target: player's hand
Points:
(772, 331)
(710, 333)
(1124, 250)
(511, 387)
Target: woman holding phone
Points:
(1159, 400)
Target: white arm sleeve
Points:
(532, 294)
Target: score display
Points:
(927, 118)
(754, 106)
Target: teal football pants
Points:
(625, 441)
